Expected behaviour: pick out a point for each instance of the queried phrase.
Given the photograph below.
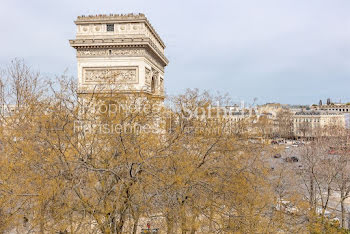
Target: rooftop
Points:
(312, 112)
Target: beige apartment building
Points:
(271, 108)
(335, 107)
(313, 123)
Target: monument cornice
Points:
(119, 43)
(122, 51)
(119, 18)
(108, 92)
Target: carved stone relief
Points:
(119, 52)
(106, 52)
(148, 76)
(128, 75)
(161, 85)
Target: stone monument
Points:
(119, 54)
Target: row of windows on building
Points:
(307, 120)
(337, 109)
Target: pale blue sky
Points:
(289, 51)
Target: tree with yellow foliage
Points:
(112, 163)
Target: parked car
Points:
(277, 156)
(291, 159)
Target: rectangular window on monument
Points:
(110, 27)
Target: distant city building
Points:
(271, 108)
(310, 123)
(334, 107)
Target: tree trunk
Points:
(311, 191)
(342, 213)
(211, 219)
(170, 224)
(136, 222)
(120, 224)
